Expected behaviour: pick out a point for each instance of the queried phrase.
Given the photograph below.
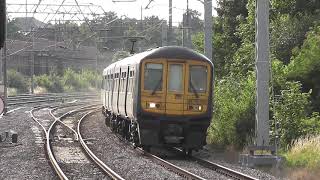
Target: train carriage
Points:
(161, 97)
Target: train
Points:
(160, 97)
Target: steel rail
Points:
(19, 98)
(47, 94)
(181, 172)
(37, 120)
(112, 174)
(220, 168)
(35, 99)
(46, 97)
(224, 170)
(53, 161)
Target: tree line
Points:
(295, 58)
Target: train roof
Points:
(168, 52)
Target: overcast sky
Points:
(130, 9)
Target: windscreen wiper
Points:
(156, 87)
(194, 89)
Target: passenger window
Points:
(102, 84)
(176, 77)
(153, 76)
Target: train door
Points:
(175, 88)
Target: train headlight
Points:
(195, 107)
(152, 105)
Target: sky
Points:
(130, 9)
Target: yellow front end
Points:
(175, 87)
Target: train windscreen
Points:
(153, 77)
(198, 79)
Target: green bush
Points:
(292, 112)
(52, 83)
(233, 119)
(72, 81)
(91, 77)
(17, 81)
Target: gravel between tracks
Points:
(26, 160)
(69, 154)
(121, 157)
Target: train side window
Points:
(122, 81)
(132, 81)
(116, 82)
(105, 83)
(102, 83)
(108, 82)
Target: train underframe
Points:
(188, 134)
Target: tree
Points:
(305, 66)
(292, 113)
(225, 40)
(14, 31)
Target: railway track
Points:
(171, 167)
(51, 129)
(89, 110)
(225, 171)
(50, 97)
(94, 158)
(219, 168)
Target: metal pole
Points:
(141, 19)
(32, 63)
(4, 66)
(170, 23)
(189, 43)
(208, 28)
(183, 30)
(97, 65)
(164, 34)
(5, 83)
(26, 16)
(262, 71)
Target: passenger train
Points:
(161, 97)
